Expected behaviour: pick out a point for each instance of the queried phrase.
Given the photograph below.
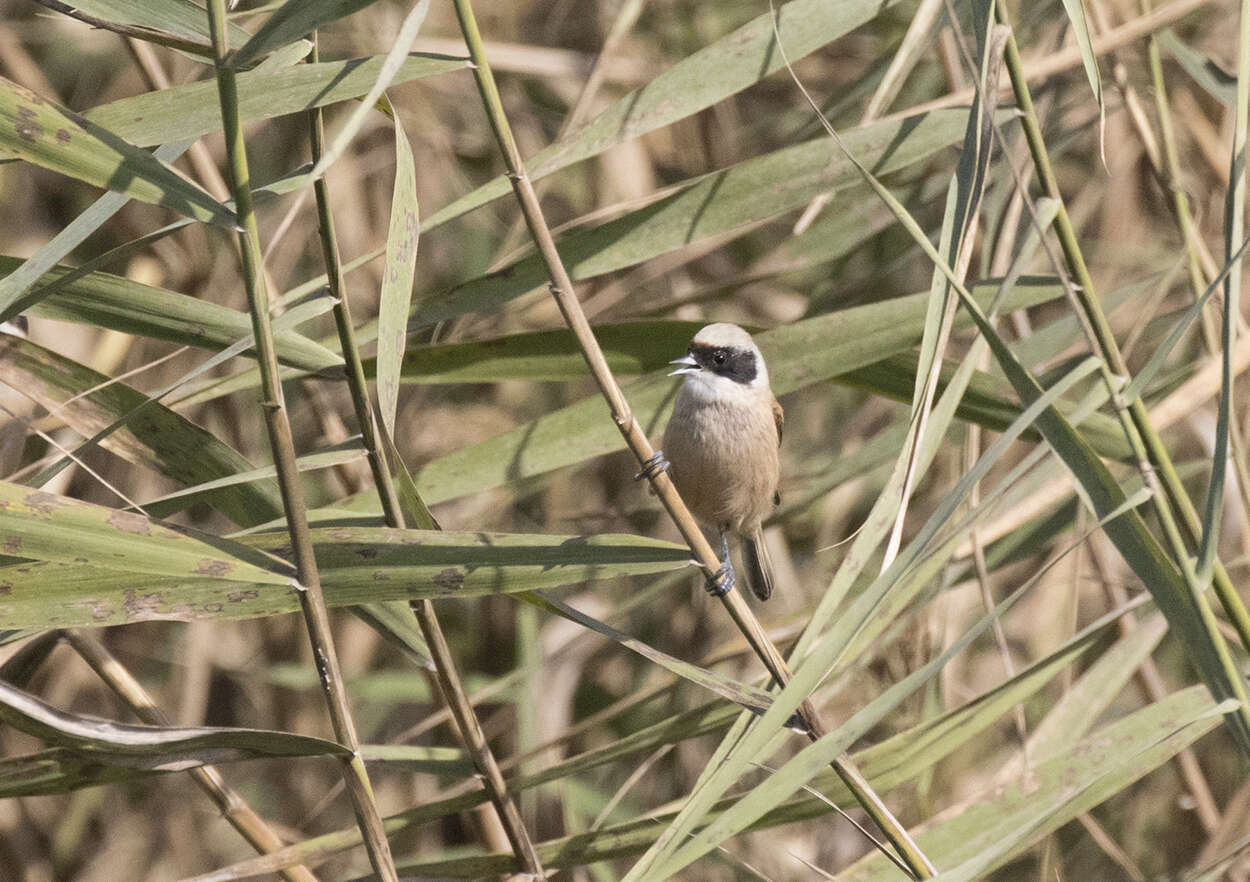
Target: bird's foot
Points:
(654, 465)
(722, 581)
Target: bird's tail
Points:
(759, 565)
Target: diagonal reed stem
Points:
(449, 684)
(1153, 460)
(283, 447)
(233, 807)
(562, 290)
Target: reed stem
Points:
(562, 290)
(282, 445)
(450, 686)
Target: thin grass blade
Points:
(391, 65)
(1089, 60)
(154, 436)
(748, 697)
(17, 281)
(1234, 233)
(753, 190)
(292, 21)
(109, 301)
(340, 454)
(698, 81)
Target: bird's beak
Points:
(688, 365)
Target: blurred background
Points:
(554, 690)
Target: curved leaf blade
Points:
(38, 131)
(553, 356)
(391, 65)
(167, 748)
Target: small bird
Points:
(723, 443)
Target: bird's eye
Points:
(718, 357)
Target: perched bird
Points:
(723, 445)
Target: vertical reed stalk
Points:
(450, 686)
(283, 447)
(562, 290)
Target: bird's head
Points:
(723, 354)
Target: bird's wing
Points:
(779, 418)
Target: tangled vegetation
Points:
(338, 330)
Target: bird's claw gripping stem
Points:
(722, 581)
(654, 465)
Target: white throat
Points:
(706, 387)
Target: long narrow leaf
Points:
(178, 24)
(154, 436)
(46, 527)
(756, 700)
(1234, 232)
(390, 68)
(1080, 29)
(731, 64)
(109, 301)
(401, 263)
(358, 565)
(63, 769)
(191, 110)
(339, 454)
(151, 747)
(293, 20)
(36, 130)
(753, 190)
(17, 281)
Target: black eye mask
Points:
(727, 361)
